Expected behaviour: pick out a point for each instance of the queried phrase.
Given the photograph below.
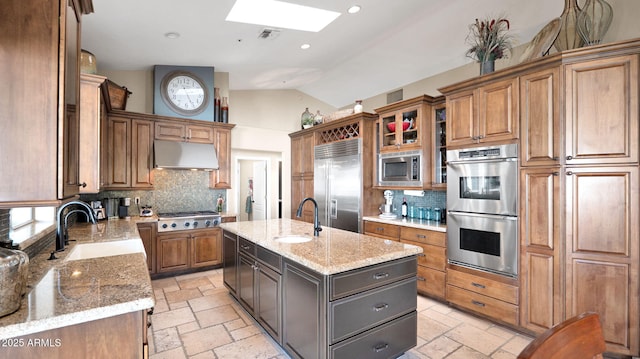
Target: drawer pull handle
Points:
(478, 285)
(379, 348)
(421, 236)
(380, 229)
(479, 304)
(421, 255)
(380, 307)
(380, 275)
(421, 279)
(245, 247)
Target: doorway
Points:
(253, 192)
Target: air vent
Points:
(269, 33)
(394, 96)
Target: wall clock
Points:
(183, 91)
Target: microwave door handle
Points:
(334, 209)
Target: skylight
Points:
(281, 14)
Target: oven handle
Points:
(482, 215)
(482, 160)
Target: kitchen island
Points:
(90, 307)
(338, 295)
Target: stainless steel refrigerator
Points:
(337, 184)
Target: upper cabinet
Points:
(221, 178)
(39, 131)
(93, 112)
(405, 125)
(439, 140)
(482, 114)
(175, 131)
(601, 112)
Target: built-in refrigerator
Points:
(338, 184)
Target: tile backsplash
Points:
(433, 199)
(174, 191)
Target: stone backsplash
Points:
(174, 191)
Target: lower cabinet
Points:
(123, 335)
(230, 261)
(433, 260)
(147, 233)
(178, 251)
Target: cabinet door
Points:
(269, 300)
(540, 118)
(439, 147)
(119, 152)
(461, 119)
(141, 153)
(602, 245)
(91, 122)
(147, 233)
(206, 248)
(246, 282)
(71, 151)
(230, 261)
(541, 280)
(170, 131)
(498, 111)
(221, 178)
(200, 134)
(601, 111)
(173, 252)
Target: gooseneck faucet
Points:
(61, 221)
(316, 221)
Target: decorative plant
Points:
(489, 39)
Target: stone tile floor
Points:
(196, 318)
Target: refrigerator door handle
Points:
(334, 209)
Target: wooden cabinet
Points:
(302, 145)
(382, 230)
(541, 272)
(176, 131)
(432, 262)
(221, 178)
(39, 134)
(405, 125)
(230, 261)
(602, 250)
(129, 150)
(601, 111)
(488, 113)
(92, 131)
(147, 233)
(540, 138)
(487, 294)
(182, 250)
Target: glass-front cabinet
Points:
(439, 163)
(404, 124)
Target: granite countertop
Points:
(63, 293)
(332, 252)
(410, 222)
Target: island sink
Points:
(293, 239)
(105, 249)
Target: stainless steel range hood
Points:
(184, 155)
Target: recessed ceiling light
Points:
(281, 14)
(172, 35)
(305, 46)
(354, 9)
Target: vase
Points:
(568, 37)
(224, 110)
(306, 120)
(487, 67)
(358, 107)
(594, 20)
(216, 104)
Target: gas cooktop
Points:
(181, 221)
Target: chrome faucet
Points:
(316, 221)
(61, 230)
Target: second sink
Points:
(105, 249)
(293, 239)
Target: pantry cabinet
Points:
(484, 114)
(39, 133)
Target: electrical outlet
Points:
(136, 200)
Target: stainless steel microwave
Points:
(400, 169)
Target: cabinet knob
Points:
(569, 158)
(569, 173)
(83, 184)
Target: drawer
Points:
(431, 282)
(490, 307)
(386, 341)
(359, 280)
(270, 258)
(389, 231)
(424, 236)
(432, 256)
(484, 286)
(357, 313)
(247, 247)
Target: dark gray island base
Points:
(345, 303)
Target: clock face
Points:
(184, 92)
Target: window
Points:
(27, 215)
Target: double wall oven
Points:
(482, 223)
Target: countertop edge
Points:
(410, 222)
